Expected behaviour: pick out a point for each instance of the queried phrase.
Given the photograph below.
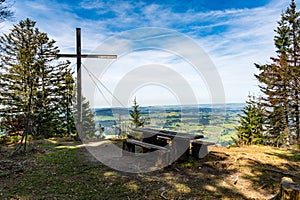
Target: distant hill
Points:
(173, 108)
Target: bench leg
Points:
(146, 150)
(199, 150)
(185, 156)
(128, 147)
(178, 151)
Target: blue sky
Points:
(234, 34)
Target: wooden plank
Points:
(145, 145)
(86, 56)
(201, 142)
(180, 150)
(163, 137)
(200, 148)
(166, 133)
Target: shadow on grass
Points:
(68, 171)
(290, 155)
(204, 179)
(291, 166)
(266, 175)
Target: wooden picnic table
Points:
(175, 145)
(149, 132)
(167, 138)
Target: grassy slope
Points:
(61, 170)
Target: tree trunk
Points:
(297, 124)
(23, 143)
(288, 190)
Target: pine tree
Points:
(274, 101)
(293, 18)
(250, 129)
(89, 125)
(30, 79)
(88, 120)
(5, 11)
(66, 89)
(135, 115)
(280, 80)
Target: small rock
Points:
(162, 189)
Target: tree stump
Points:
(289, 189)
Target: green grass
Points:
(62, 174)
(61, 170)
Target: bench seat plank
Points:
(200, 148)
(145, 145)
(207, 143)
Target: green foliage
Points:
(190, 164)
(172, 120)
(34, 85)
(89, 124)
(279, 81)
(135, 115)
(250, 128)
(205, 118)
(13, 125)
(11, 139)
(89, 127)
(5, 11)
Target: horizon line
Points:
(166, 105)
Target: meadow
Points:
(216, 122)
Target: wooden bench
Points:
(129, 145)
(148, 133)
(163, 138)
(176, 140)
(200, 148)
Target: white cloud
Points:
(92, 4)
(233, 38)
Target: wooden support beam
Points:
(78, 56)
(79, 98)
(87, 56)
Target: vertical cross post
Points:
(78, 56)
(79, 98)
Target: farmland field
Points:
(217, 123)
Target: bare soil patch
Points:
(64, 169)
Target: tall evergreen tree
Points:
(280, 80)
(66, 110)
(293, 17)
(30, 79)
(250, 129)
(89, 126)
(275, 100)
(135, 115)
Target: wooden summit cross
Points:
(78, 55)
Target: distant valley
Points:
(216, 122)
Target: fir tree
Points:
(88, 120)
(279, 81)
(5, 11)
(250, 129)
(89, 126)
(30, 79)
(66, 102)
(135, 115)
(275, 101)
(293, 18)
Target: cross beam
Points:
(78, 55)
(87, 56)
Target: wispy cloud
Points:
(234, 38)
